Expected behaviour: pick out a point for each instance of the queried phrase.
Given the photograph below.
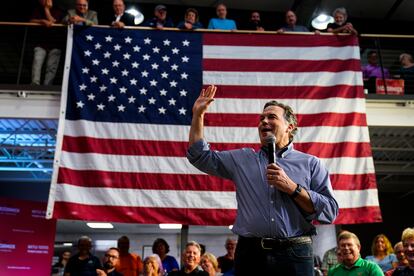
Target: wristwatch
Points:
(297, 191)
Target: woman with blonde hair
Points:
(210, 265)
(382, 253)
(153, 266)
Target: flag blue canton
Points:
(134, 76)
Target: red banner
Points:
(394, 87)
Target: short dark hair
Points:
(193, 11)
(160, 241)
(289, 116)
(371, 52)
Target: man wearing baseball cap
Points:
(160, 19)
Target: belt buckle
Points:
(262, 241)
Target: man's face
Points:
(339, 18)
(255, 17)
(409, 250)
(161, 14)
(84, 246)
(290, 18)
(191, 256)
(231, 246)
(221, 11)
(373, 58)
(190, 17)
(82, 6)
(119, 7)
(272, 121)
(111, 259)
(66, 255)
(399, 253)
(349, 251)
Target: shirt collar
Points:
(358, 263)
(281, 153)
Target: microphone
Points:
(271, 148)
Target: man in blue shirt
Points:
(276, 202)
(221, 22)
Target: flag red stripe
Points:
(144, 214)
(304, 120)
(285, 66)
(289, 92)
(179, 149)
(281, 40)
(351, 182)
(369, 214)
(152, 181)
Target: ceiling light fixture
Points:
(170, 226)
(100, 225)
(137, 14)
(321, 21)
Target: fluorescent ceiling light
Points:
(230, 227)
(322, 21)
(138, 16)
(170, 226)
(67, 244)
(100, 225)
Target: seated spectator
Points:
(110, 262)
(382, 253)
(352, 263)
(291, 26)
(329, 260)
(120, 19)
(341, 25)
(226, 262)
(59, 267)
(408, 243)
(191, 261)
(153, 266)
(402, 260)
(160, 19)
(83, 263)
(190, 20)
(210, 265)
(372, 69)
(221, 23)
(161, 248)
(47, 15)
(407, 72)
(254, 24)
(81, 15)
(129, 264)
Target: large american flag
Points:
(127, 102)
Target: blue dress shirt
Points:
(222, 24)
(262, 210)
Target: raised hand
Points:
(204, 100)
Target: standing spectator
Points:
(111, 260)
(81, 15)
(83, 263)
(221, 22)
(407, 72)
(226, 262)
(191, 261)
(46, 15)
(59, 268)
(408, 243)
(352, 263)
(382, 253)
(190, 20)
(329, 260)
(254, 24)
(402, 260)
(341, 25)
(120, 18)
(129, 264)
(210, 265)
(161, 247)
(160, 19)
(291, 19)
(153, 266)
(372, 69)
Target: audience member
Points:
(372, 69)
(341, 25)
(402, 260)
(59, 268)
(408, 243)
(329, 260)
(254, 24)
(407, 72)
(291, 26)
(110, 262)
(47, 15)
(81, 15)
(161, 247)
(382, 253)
(352, 263)
(210, 265)
(120, 18)
(191, 261)
(190, 20)
(83, 263)
(221, 22)
(160, 19)
(129, 264)
(153, 266)
(226, 262)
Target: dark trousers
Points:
(252, 259)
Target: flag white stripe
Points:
(282, 78)
(357, 198)
(179, 133)
(180, 165)
(280, 53)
